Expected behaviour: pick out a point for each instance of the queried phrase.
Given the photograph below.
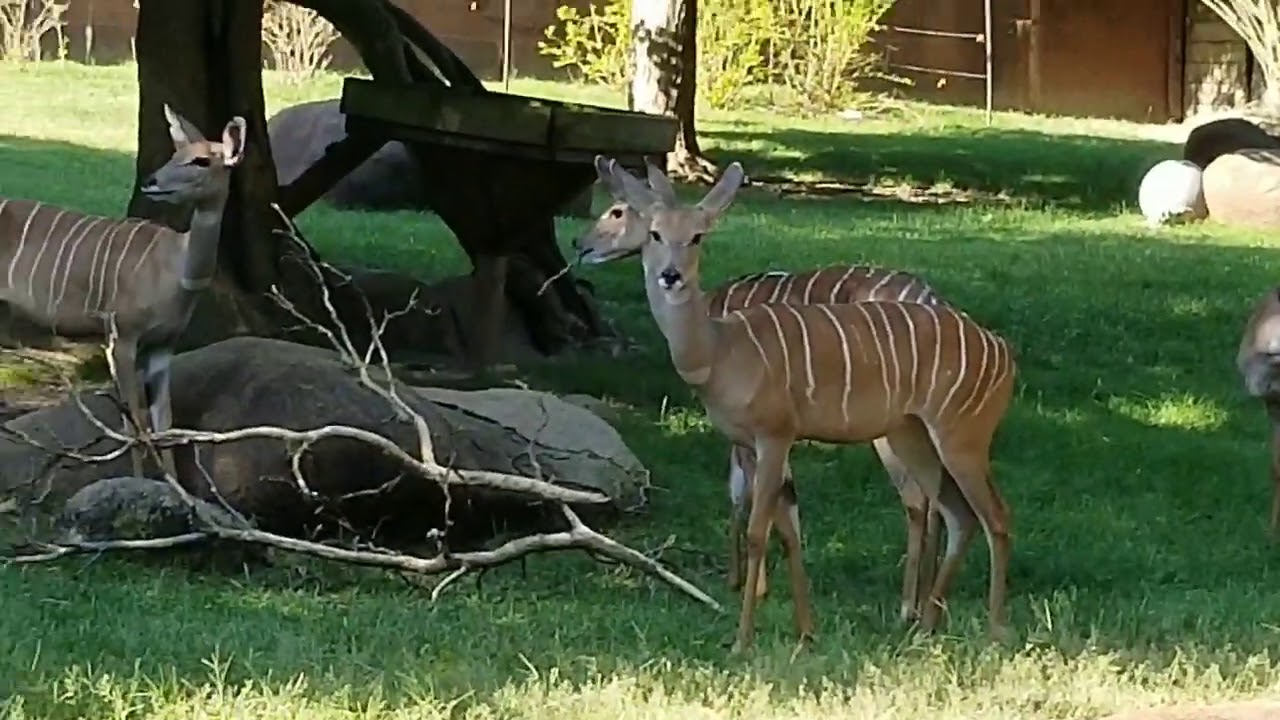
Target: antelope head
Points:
(199, 169)
(621, 230)
(1259, 356)
(671, 252)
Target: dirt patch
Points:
(1252, 710)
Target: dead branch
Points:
(578, 536)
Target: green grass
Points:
(1134, 468)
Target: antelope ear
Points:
(607, 178)
(660, 183)
(181, 130)
(720, 197)
(633, 192)
(233, 137)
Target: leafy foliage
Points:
(817, 50)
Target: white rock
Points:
(1172, 190)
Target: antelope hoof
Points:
(1002, 634)
(908, 613)
(931, 616)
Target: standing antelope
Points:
(70, 271)
(1258, 361)
(769, 375)
(620, 232)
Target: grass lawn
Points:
(1135, 470)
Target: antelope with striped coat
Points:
(1258, 360)
(927, 378)
(621, 232)
(74, 273)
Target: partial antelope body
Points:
(621, 231)
(71, 272)
(927, 378)
(1258, 360)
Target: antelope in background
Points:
(70, 272)
(769, 375)
(1258, 361)
(620, 232)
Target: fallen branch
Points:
(578, 536)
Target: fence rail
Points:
(984, 37)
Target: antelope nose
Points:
(149, 183)
(668, 278)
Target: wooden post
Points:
(986, 44)
(1177, 58)
(1034, 56)
(506, 45)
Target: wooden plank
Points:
(509, 118)
(544, 153)
(633, 132)
(501, 118)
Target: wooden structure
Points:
(500, 167)
(506, 165)
(1147, 60)
(513, 162)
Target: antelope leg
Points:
(160, 407)
(124, 357)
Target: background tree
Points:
(665, 76)
(1257, 22)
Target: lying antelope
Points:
(1258, 360)
(927, 378)
(621, 232)
(70, 271)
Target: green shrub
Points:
(595, 47)
(817, 50)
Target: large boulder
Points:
(1207, 142)
(249, 381)
(389, 180)
(1171, 191)
(1243, 188)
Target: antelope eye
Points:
(695, 239)
(655, 235)
(200, 161)
(615, 213)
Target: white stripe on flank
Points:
(848, 362)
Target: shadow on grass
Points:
(1072, 171)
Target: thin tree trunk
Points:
(666, 76)
(687, 159)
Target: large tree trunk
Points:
(666, 75)
(204, 58)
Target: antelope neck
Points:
(688, 330)
(202, 245)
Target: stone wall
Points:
(1217, 69)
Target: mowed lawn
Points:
(1135, 469)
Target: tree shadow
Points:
(1068, 171)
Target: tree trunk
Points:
(210, 71)
(666, 75)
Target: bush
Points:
(595, 47)
(816, 49)
(297, 37)
(824, 48)
(23, 25)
